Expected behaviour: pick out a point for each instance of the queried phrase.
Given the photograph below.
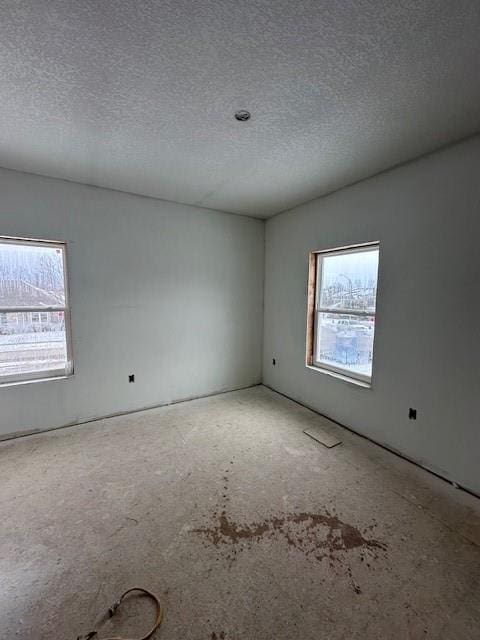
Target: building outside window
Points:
(343, 284)
(34, 311)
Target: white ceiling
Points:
(140, 95)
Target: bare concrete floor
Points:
(246, 528)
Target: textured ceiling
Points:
(140, 95)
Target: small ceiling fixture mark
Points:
(242, 115)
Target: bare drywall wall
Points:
(426, 216)
(168, 292)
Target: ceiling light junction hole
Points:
(242, 115)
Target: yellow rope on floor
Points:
(114, 607)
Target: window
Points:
(342, 303)
(34, 312)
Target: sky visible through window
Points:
(349, 281)
(31, 275)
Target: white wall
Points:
(168, 292)
(426, 216)
(174, 294)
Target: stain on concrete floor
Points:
(319, 536)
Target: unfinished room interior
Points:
(240, 319)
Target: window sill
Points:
(34, 380)
(340, 376)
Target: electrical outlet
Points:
(412, 414)
(131, 377)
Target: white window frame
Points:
(47, 373)
(319, 364)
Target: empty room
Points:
(239, 320)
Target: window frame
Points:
(314, 309)
(47, 374)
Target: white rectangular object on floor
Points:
(320, 435)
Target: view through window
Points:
(34, 314)
(345, 303)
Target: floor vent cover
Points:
(320, 435)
